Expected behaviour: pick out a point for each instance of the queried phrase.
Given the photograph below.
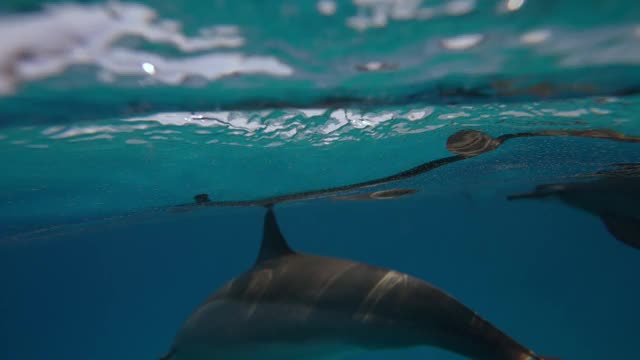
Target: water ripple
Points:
(320, 127)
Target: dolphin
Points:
(291, 305)
(614, 197)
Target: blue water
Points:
(111, 118)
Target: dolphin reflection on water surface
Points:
(463, 144)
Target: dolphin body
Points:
(614, 198)
(298, 306)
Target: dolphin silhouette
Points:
(298, 306)
(614, 197)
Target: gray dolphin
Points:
(614, 197)
(291, 305)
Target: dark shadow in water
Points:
(465, 144)
(613, 195)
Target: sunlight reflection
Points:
(326, 7)
(514, 5)
(459, 7)
(535, 37)
(462, 42)
(39, 45)
(373, 66)
(149, 68)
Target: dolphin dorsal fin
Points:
(273, 243)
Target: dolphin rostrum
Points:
(298, 306)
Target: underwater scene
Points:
(319, 179)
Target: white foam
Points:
(459, 7)
(313, 112)
(339, 118)
(52, 130)
(378, 13)
(289, 133)
(402, 128)
(510, 5)
(574, 113)
(40, 45)
(516, 113)
(514, 5)
(326, 7)
(462, 42)
(415, 115)
(373, 66)
(535, 37)
(166, 132)
(452, 116)
(98, 129)
(96, 137)
(175, 71)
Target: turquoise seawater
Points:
(115, 115)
